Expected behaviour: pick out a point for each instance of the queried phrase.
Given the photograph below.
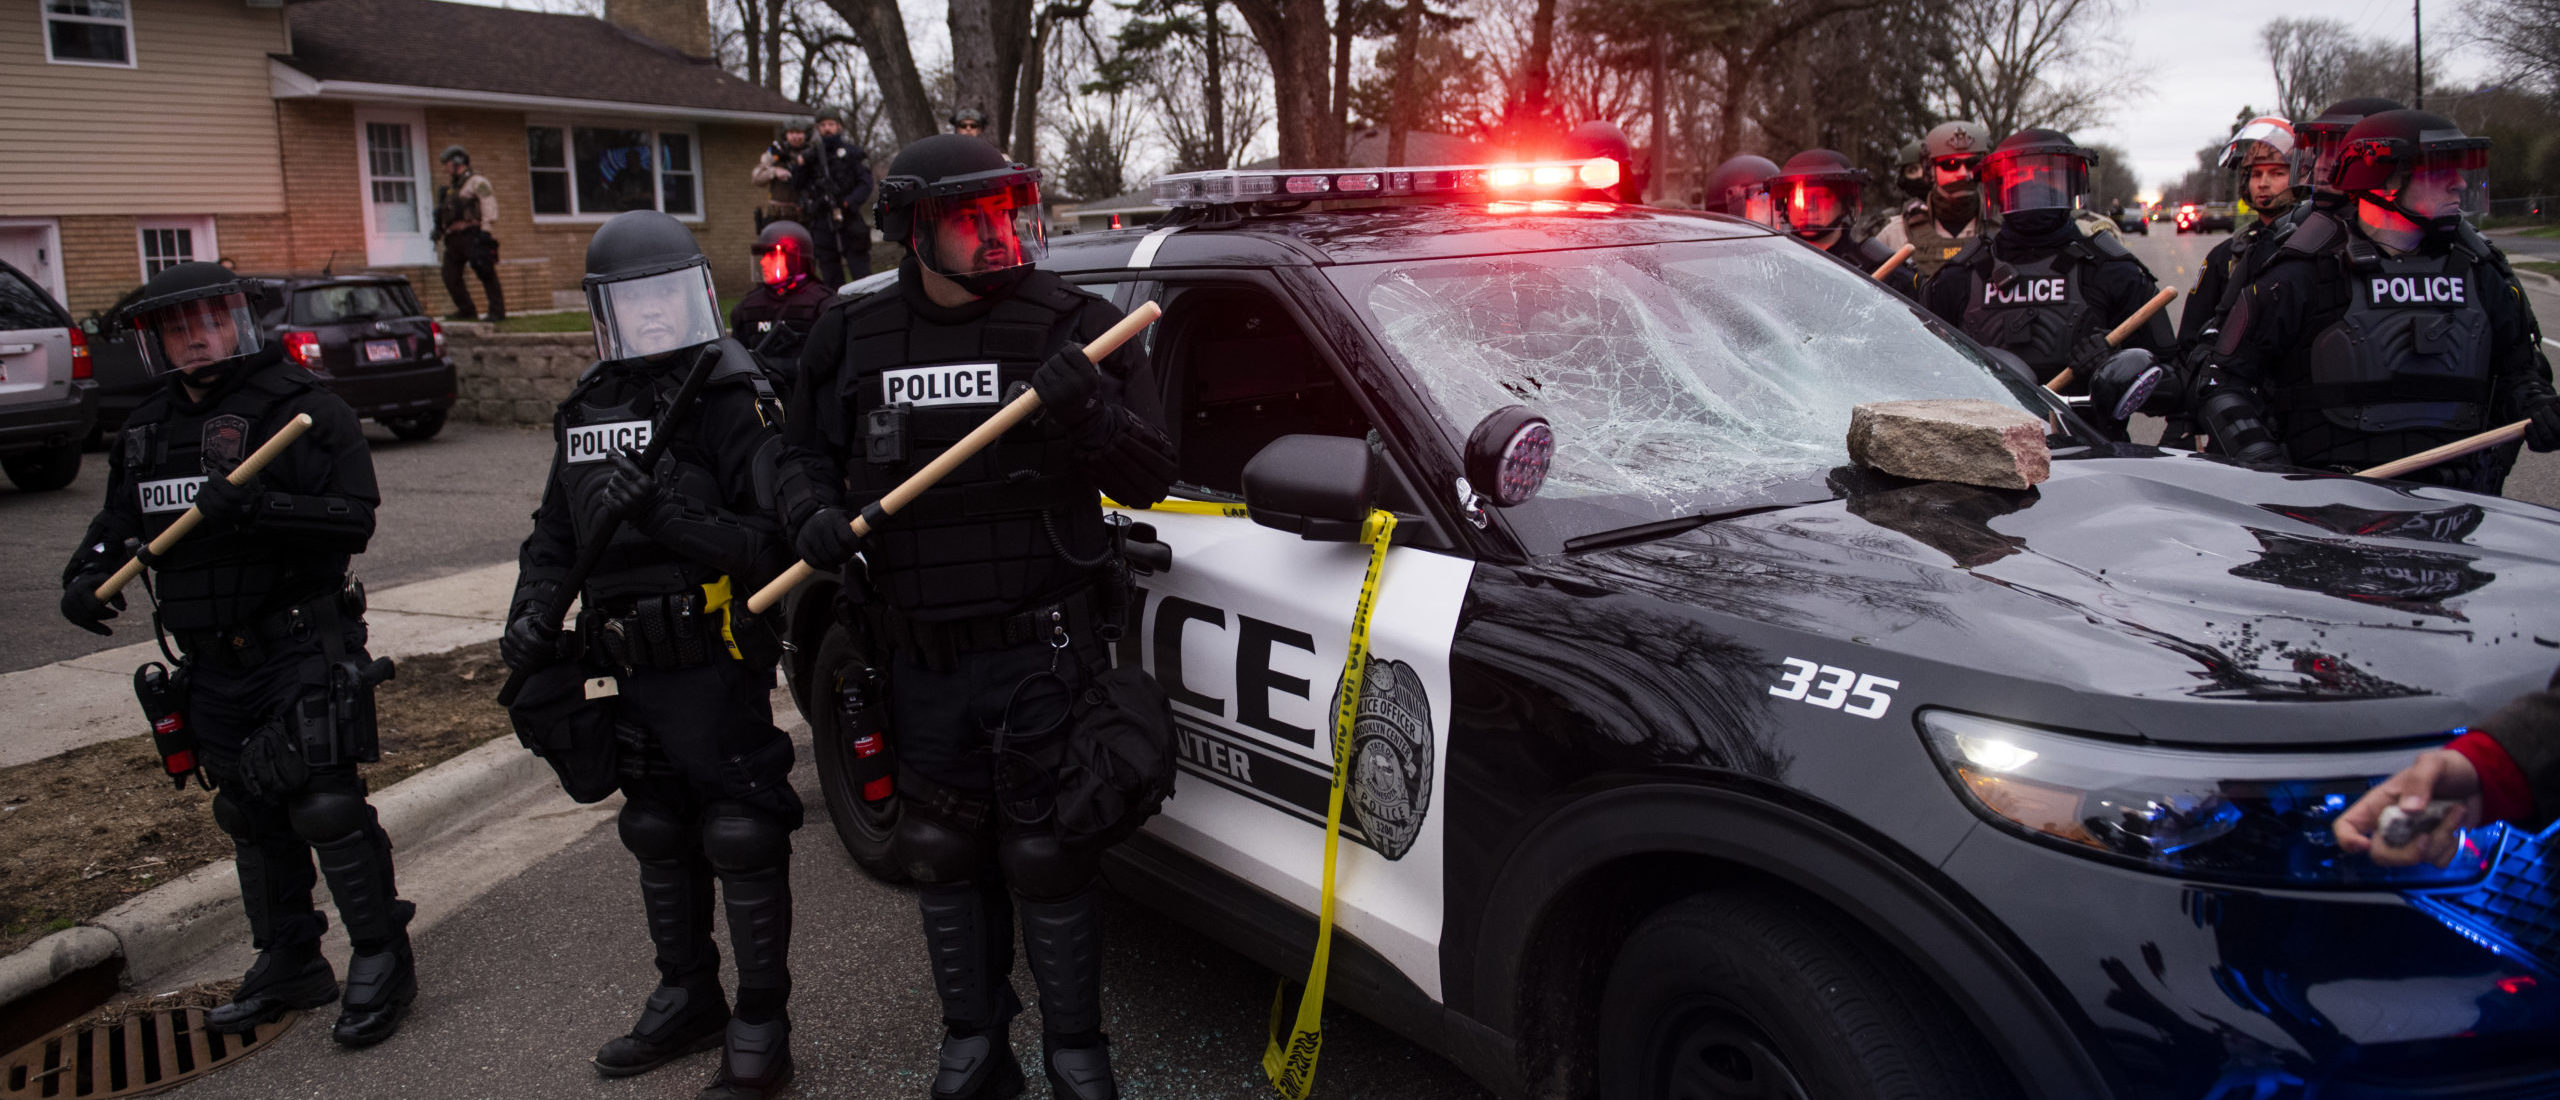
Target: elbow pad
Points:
(1132, 461)
(2232, 415)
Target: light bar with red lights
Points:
(1531, 178)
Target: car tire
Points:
(1764, 994)
(417, 428)
(46, 470)
(862, 826)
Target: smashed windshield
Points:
(1681, 378)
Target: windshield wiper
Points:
(1665, 528)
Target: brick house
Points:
(292, 136)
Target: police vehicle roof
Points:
(1353, 233)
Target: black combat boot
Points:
(968, 934)
(1064, 941)
(679, 1020)
(282, 980)
(382, 978)
(286, 977)
(755, 1061)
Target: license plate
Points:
(381, 351)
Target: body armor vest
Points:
(214, 581)
(617, 406)
(2034, 309)
(1932, 246)
(2411, 352)
(762, 310)
(1020, 521)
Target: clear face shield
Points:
(1757, 205)
(2442, 186)
(654, 314)
(1817, 206)
(196, 333)
(2036, 181)
(779, 265)
(960, 236)
(2315, 156)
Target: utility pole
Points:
(2418, 50)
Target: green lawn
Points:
(576, 320)
(2546, 267)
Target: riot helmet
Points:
(1740, 187)
(648, 288)
(1911, 169)
(1603, 138)
(2412, 174)
(2267, 141)
(2036, 169)
(2315, 143)
(965, 212)
(195, 319)
(782, 253)
(1817, 192)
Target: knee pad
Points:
(234, 819)
(933, 851)
(652, 833)
(1039, 868)
(319, 816)
(737, 841)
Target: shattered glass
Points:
(1680, 378)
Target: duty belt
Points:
(246, 646)
(938, 642)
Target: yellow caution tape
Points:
(716, 600)
(1292, 1065)
(1182, 507)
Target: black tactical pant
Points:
(843, 245)
(707, 782)
(478, 249)
(275, 829)
(970, 850)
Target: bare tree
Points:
(2307, 55)
(2022, 63)
(2524, 36)
(1298, 41)
(882, 31)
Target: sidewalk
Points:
(85, 700)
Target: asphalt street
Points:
(520, 987)
(460, 500)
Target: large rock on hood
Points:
(1968, 441)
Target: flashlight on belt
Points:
(164, 702)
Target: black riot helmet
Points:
(195, 318)
(966, 212)
(782, 253)
(1740, 187)
(648, 288)
(2315, 143)
(2412, 173)
(2036, 169)
(1602, 138)
(1817, 192)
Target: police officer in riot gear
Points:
(2260, 159)
(988, 590)
(1818, 194)
(2039, 285)
(2385, 326)
(278, 690)
(704, 771)
(775, 315)
(1952, 214)
(839, 186)
(1740, 187)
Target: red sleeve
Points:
(2504, 794)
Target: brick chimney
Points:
(683, 24)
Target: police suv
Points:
(1721, 767)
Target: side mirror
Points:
(1315, 486)
(1508, 454)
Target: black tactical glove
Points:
(529, 642)
(827, 540)
(81, 605)
(2128, 382)
(632, 494)
(2542, 424)
(229, 507)
(1069, 386)
(2088, 353)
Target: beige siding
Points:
(190, 130)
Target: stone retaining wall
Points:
(514, 377)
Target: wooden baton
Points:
(178, 528)
(2455, 449)
(1003, 421)
(2121, 333)
(1894, 261)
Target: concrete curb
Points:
(168, 925)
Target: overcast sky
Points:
(2203, 63)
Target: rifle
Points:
(592, 553)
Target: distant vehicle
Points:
(48, 401)
(2188, 214)
(2217, 217)
(2129, 220)
(366, 337)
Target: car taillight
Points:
(80, 365)
(436, 328)
(303, 348)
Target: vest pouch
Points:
(271, 761)
(554, 718)
(1115, 766)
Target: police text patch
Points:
(2420, 290)
(2021, 292)
(175, 494)
(942, 384)
(597, 442)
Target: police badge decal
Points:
(1390, 787)
(225, 440)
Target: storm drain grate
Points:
(127, 1054)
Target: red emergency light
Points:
(1524, 179)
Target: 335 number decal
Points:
(1830, 686)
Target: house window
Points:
(599, 171)
(392, 178)
(168, 242)
(88, 32)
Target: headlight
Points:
(2250, 817)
